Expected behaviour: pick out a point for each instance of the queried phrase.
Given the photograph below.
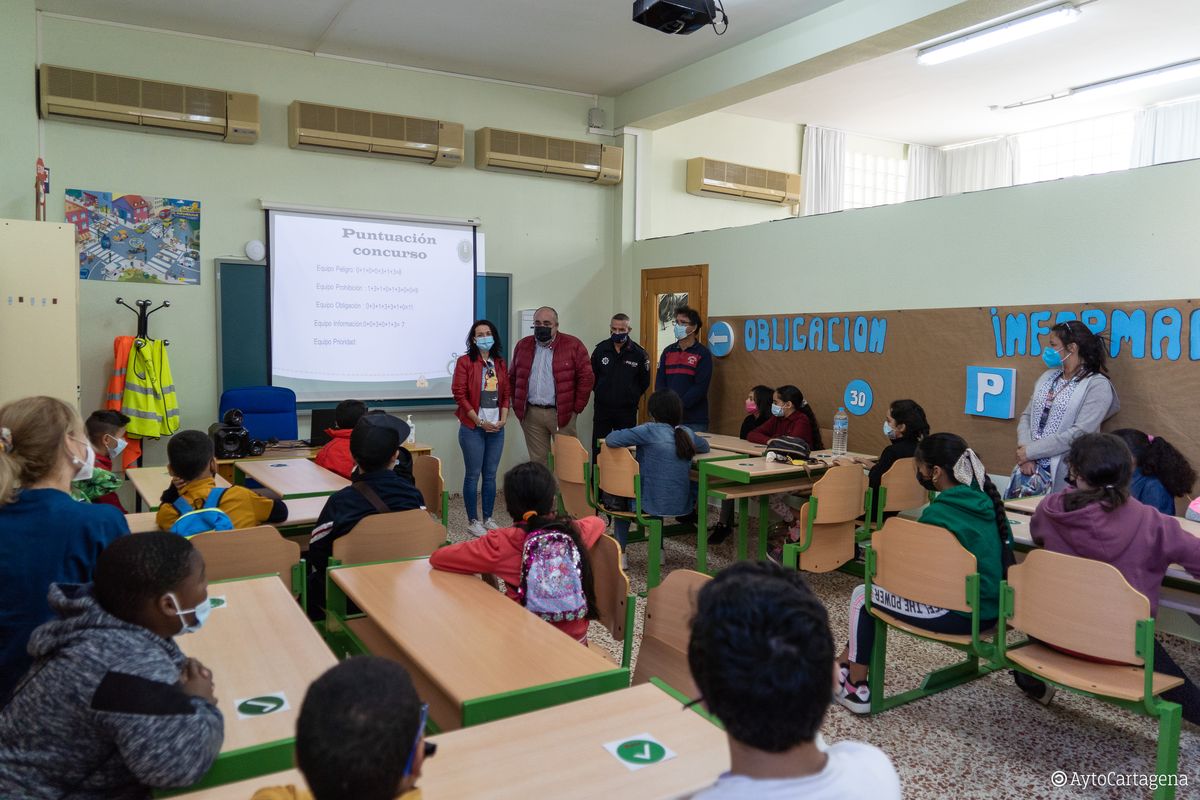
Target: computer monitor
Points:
(322, 420)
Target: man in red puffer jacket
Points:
(551, 378)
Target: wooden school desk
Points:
(474, 655)
(509, 758)
(301, 513)
(743, 477)
(291, 477)
(732, 444)
(225, 466)
(517, 757)
(258, 643)
(151, 482)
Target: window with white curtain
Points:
(873, 180)
(1101, 144)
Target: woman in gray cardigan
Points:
(1070, 399)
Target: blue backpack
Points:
(201, 520)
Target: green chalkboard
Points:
(244, 322)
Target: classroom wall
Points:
(670, 210)
(18, 109)
(555, 237)
(1123, 236)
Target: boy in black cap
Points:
(375, 489)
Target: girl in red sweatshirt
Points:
(529, 493)
(1098, 519)
(790, 416)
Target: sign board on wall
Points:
(864, 361)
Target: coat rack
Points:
(143, 312)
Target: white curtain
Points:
(823, 169)
(987, 165)
(926, 171)
(1167, 133)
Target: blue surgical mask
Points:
(680, 331)
(777, 409)
(888, 430)
(118, 448)
(484, 342)
(1052, 358)
(201, 611)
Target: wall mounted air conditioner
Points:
(512, 151)
(86, 96)
(312, 126)
(707, 177)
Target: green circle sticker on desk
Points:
(641, 750)
(216, 602)
(262, 705)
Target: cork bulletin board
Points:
(865, 360)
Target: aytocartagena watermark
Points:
(1132, 780)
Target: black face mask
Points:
(542, 334)
(620, 338)
(926, 483)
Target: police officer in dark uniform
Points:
(622, 370)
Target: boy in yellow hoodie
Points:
(193, 465)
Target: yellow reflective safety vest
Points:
(149, 399)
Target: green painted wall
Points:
(18, 110)
(555, 237)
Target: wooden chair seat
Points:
(666, 630)
(389, 537)
(1110, 680)
(963, 639)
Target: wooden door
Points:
(662, 291)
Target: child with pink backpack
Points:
(543, 559)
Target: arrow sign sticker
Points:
(637, 752)
(262, 705)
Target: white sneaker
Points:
(490, 524)
(476, 529)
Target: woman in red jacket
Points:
(790, 416)
(480, 389)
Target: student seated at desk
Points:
(762, 657)
(665, 450)
(758, 411)
(106, 432)
(45, 536)
(111, 705)
(193, 467)
(565, 599)
(360, 735)
(335, 455)
(1098, 519)
(969, 506)
(904, 427)
(1160, 472)
(790, 416)
(375, 444)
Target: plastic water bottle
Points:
(841, 431)
(412, 430)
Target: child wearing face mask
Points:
(758, 411)
(969, 506)
(112, 707)
(106, 432)
(45, 536)
(790, 416)
(376, 488)
(904, 427)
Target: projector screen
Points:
(371, 309)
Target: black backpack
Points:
(790, 447)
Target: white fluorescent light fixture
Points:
(1158, 76)
(1005, 32)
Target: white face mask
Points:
(84, 467)
(201, 611)
(117, 448)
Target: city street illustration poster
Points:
(135, 238)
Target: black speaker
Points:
(232, 440)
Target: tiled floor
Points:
(981, 740)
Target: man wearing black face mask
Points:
(622, 371)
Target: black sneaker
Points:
(1034, 689)
(856, 697)
(719, 533)
(688, 519)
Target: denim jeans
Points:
(481, 454)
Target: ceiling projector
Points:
(674, 16)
